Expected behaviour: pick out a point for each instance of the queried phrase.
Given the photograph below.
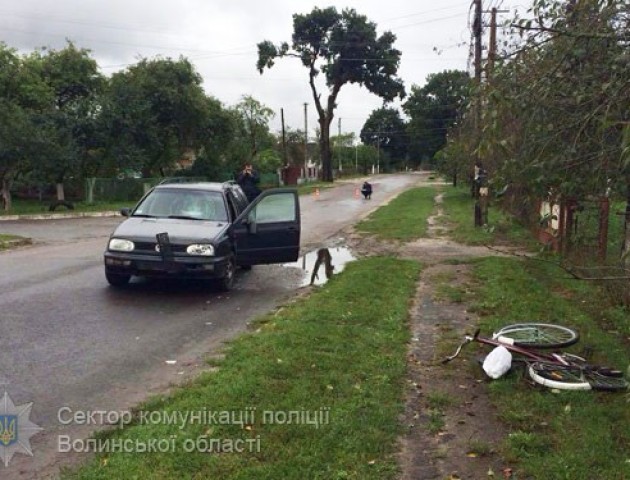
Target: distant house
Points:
(186, 160)
(302, 170)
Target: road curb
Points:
(59, 216)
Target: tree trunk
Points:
(61, 197)
(5, 194)
(625, 249)
(324, 146)
(89, 189)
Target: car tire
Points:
(117, 279)
(227, 281)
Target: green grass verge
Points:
(333, 350)
(459, 217)
(8, 241)
(34, 207)
(404, 218)
(576, 435)
(5, 237)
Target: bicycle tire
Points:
(607, 383)
(537, 335)
(558, 376)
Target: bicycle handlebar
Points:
(467, 339)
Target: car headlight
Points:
(204, 249)
(121, 245)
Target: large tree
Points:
(72, 76)
(554, 114)
(386, 131)
(16, 126)
(256, 118)
(346, 49)
(159, 112)
(219, 138)
(433, 109)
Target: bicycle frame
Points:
(532, 355)
(558, 364)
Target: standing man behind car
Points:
(248, 180)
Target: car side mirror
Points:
(125, 212)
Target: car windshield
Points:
(185, 204)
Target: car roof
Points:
(209, 186)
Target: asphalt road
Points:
(70, 341)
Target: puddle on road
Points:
(339, 256)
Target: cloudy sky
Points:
(220, 37)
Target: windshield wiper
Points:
(144, 215)
(184, 217)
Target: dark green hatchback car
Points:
(204, 231)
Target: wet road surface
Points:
(69, 340)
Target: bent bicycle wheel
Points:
(537, 335)
(558, 376)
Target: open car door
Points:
(268, 230)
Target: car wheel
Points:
(227, 282)
(117, 279)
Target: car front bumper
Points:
(155, 266)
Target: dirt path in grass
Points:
(452, 431)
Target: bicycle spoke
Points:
(537, 335)
(558, 376)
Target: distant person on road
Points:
(366, 190)
(248, 179)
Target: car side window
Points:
(241, 199)
(232, 206)
(276, 208)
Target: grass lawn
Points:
(34, 207)
(576, 435)
(459, 216)
(6, 241)
(332, 354)
(561, 435)
(404, 218)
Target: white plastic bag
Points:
(498, 362)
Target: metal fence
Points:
(131, 189)
(126, 189)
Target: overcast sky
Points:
(220, 37)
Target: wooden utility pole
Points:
(305, 136)
(492, 48)
(477, 32)
(284, 140)
(339, 143)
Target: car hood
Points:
(179, 230)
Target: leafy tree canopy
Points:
(346, 49)
(433, 109)
(385, 130)
(160, 109)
